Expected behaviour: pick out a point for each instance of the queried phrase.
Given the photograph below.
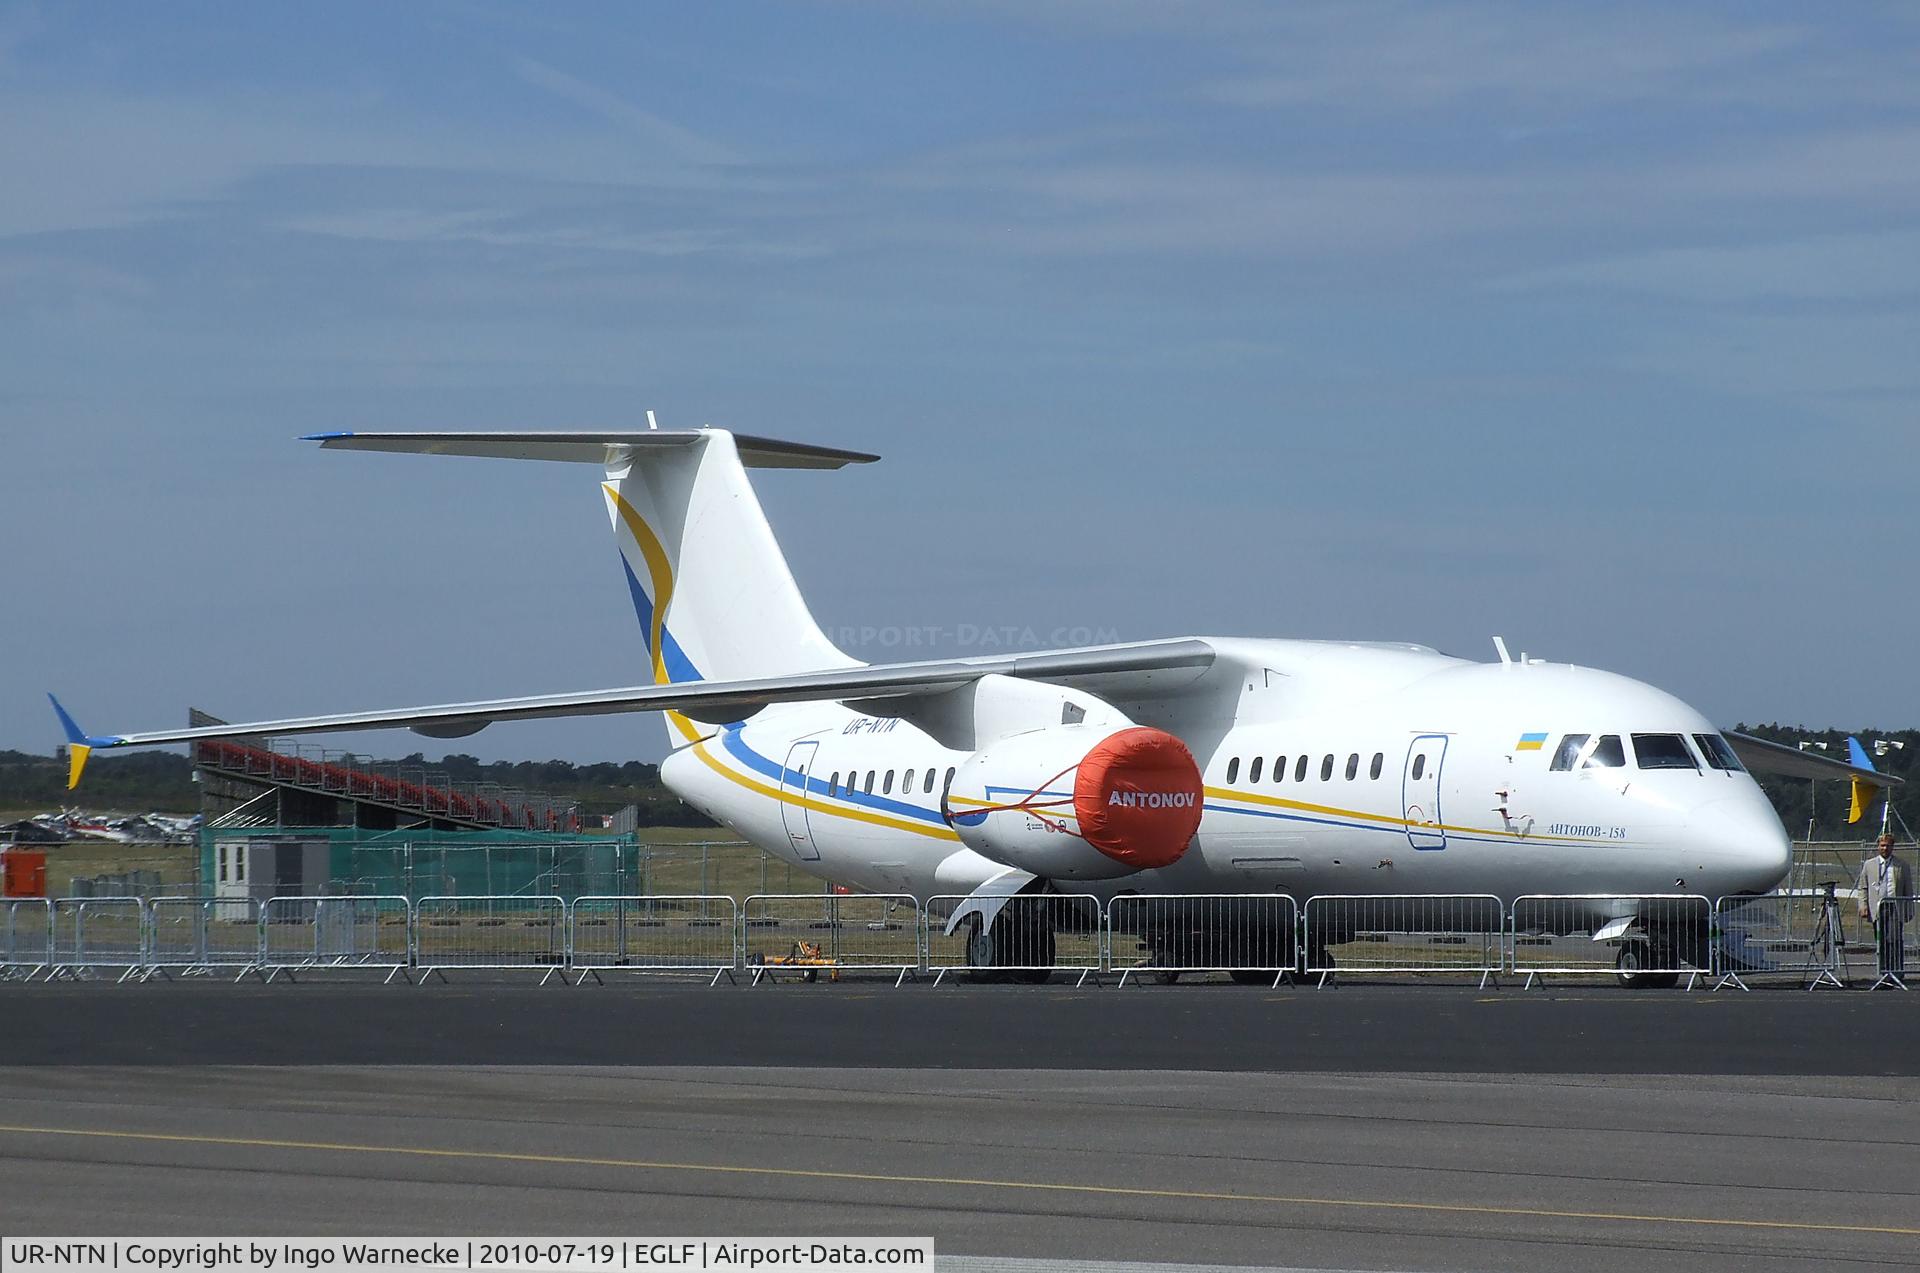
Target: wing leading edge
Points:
(1142, 667)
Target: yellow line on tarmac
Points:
(869, 1177)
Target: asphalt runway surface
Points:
(1410, 1029)
(1359, 1128)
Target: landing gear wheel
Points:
(1629, 965)
(980, 954)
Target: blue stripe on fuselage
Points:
(737, 747)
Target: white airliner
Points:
(1184, 766)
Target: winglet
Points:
(1861, 790)
(79, 744)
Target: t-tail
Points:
(710, 586)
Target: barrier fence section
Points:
(1404, 933)
(1647, 939)
(1894, 941)
(691, 933)
(289, 935)
(98, 932)
(26, 937)
(1252, 937)
(1032, 937)
(199, 934)
(1801, 935)
(497, 932)
(808, 934)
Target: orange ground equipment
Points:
(23, 873)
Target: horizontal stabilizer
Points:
(597, 447)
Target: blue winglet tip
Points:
(74, 733)
(1857, 755)
(76, 736)
(323, 437)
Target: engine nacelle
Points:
(1079, 803)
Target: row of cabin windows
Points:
(930, 776)
(1302, 763)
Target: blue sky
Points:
(1596, 326)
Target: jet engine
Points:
(1077, 802)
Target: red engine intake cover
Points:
(1138, 797)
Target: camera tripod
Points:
(1828, 948)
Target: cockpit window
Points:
(1719, 753)
(1663, 751)
(1569, 751)
(1607, 754)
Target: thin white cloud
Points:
(683, 143)
(1836, 267)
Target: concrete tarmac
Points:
(1358, 1128)
(1343, 1171)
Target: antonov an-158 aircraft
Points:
(1187, 766)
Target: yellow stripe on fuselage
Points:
(1226, 793)
(701, 749)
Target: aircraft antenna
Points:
(1500, 648)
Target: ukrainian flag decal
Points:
(1530, 742)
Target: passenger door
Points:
(793, 783)
(1420, 792)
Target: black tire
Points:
(1635, 956)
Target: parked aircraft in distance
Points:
(1185, 766)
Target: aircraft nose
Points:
(1751, 847)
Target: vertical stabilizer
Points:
(709, 584)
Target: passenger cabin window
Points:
(1233, 770)
(1719, 753)
(948, 789)
(1326, 769)
(1663, 751)
(1607, 754)
(927, 790)
(1279, 768)
(1253, 773)
(1568, 752)
(886, 784)
(1300, 769)
(1419, 766)
(906, 783)
(870, 777)
(1379, 760)
(1353, 766)
(833, 784)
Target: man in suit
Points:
(1886, 900)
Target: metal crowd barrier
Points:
(1032, 937)
(1803, 936)
(1654, 939)
(692, 933)
(1252, 937)
(1404, 933)
(26, 937)
(197, 935)
(1894, 942)
(1657, 936)
(808, 934)
(495, 932)
(371, 933)
(98, 932)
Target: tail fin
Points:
(709, 584)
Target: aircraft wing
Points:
(1763, 757)
(1139, 668)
